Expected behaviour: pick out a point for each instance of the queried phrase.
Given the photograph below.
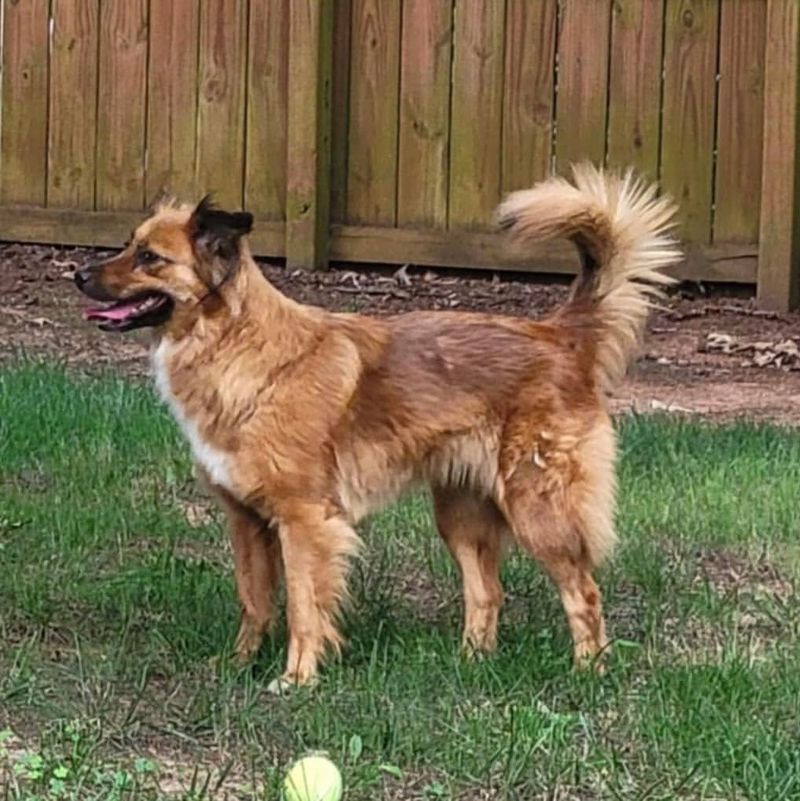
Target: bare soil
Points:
(40, 317)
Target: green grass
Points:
(117, 609)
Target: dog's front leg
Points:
(315, 549)
(256, 555)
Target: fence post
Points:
(309, 133)
(779, 235)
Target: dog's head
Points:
(177, 258)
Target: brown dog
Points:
(304, 421)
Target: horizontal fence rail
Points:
(387, 131)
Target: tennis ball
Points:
(313, 778)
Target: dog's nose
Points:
(82, 277)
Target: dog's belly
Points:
(368, 480)
(215, 462)
(465, 460)
(371, 476)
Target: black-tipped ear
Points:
(218, 232)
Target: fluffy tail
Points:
(621, 229)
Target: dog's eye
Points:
(144, 257)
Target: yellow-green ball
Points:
(313, 778)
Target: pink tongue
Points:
(118, 312)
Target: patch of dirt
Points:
(432, 599)
(197, 514)
(728, 573)
(626, 615)
(678, 372)
(762, 606)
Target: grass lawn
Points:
(117, 610)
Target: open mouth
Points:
(148, 309)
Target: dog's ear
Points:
(162, 199)
(216, 231)
(215, 235)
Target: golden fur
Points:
(304, 420)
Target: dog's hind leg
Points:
(257, 557)
(473, 530)
(315, 548)
(556, 536)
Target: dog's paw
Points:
(284, 685)
(473, 654)
(478, 648)
(248, 641)
(591, 659)
(280, 686)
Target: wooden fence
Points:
(387, 130)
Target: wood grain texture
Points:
(23, 147)
(73, 104)
(486, 250)
(687, 145)
(340, 105)
(220, 106)
(122, 77)
(490, 250)
(424, 113)
(528, 92)
(309, 133)
(583, 50)
(172, 99)
(779, 233)
(476, 112)
(267, 107)
(635, 85)
(740, 125)
(107, 228)
(374, 91)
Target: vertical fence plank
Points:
(73, 104)
(528, 93)
(24, 122)
(739, 121)
(309, 134)
(476, 115)
(374, 87)
(424, 113)
(340, 103)
(268, 55)
(779, 236)
(121, 104)
(220, 104)
(172, 98)
(635, 85)
(687, 141)
(583, 48)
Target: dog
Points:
(303, 421)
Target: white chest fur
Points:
(214, 461)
